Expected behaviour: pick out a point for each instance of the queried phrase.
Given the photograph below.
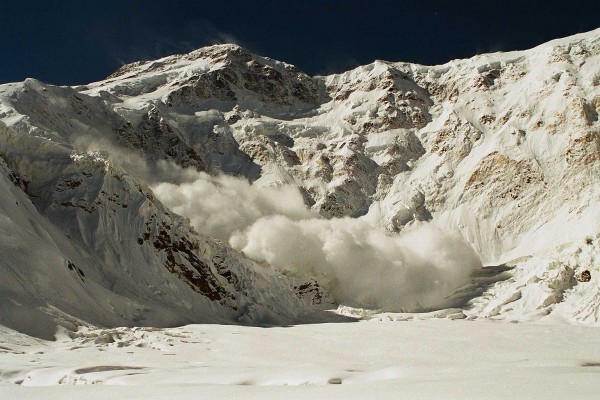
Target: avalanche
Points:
(221, 187)
(224, 187)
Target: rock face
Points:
(84, 242)
(504, 148)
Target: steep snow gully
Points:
(222, 186)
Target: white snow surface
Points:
(432, 359)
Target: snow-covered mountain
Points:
(502, 148)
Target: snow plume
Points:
(224, 206)
(150, 171)
(363, 266)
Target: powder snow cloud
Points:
(362, 265)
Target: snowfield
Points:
(376, 359)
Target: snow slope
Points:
(83, 242)
(502, 148)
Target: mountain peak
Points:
(501, 148)
(221, 52)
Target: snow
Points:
(74, 253)
(357, 189)
(434, 359)
(545, 286)
(500, 148)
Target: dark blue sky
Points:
(74, 42)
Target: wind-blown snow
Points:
(223, 205)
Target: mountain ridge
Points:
(503, 148)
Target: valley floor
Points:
(436, 358)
